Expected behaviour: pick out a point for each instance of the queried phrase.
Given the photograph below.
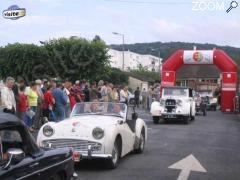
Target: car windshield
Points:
(100, 108)
(206, 93)
(175, 92)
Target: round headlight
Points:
(179, 102)
(48, 131)
(162, 102)
(98, 133)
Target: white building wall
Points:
(133, 60)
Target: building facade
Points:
(133, 61)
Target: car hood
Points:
(82, 126)
(175, 97)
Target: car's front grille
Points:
(170, 104)
(75, 144)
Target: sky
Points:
(199, 21)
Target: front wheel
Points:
(113, 162)
(141, 146)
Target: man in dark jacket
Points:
(136, 96)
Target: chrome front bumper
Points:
(90, 154)
(173, 115)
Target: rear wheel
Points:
(113, 162)
(141, 146)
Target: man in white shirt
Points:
(124, 95)
(7, 97)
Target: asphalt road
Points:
(213, 140)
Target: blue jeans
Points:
(60, 112)
(29, 121)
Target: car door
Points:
(128, 138)
(11, 138)
(128, 132)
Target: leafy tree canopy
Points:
(73, 58)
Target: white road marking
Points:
(186, 165)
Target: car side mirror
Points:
(15, 155)
(134, 116)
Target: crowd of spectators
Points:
(52, 100)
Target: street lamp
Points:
(119, 34)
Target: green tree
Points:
(78, 58)
(115, 76)
(147, 75)
(74, 58)
(25, 60)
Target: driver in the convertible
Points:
(94, 107)
(118, 109)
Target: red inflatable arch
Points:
(216, 57)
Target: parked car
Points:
(21, 158)
(97, 130)
(176, 103)
(210, 100)
(201, 106)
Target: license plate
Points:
(76, 156)
(170, 116)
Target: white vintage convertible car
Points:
(176, 103)
(97, 130)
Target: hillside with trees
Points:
(166, 49)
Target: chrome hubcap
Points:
(142, 142)
(114, 155)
